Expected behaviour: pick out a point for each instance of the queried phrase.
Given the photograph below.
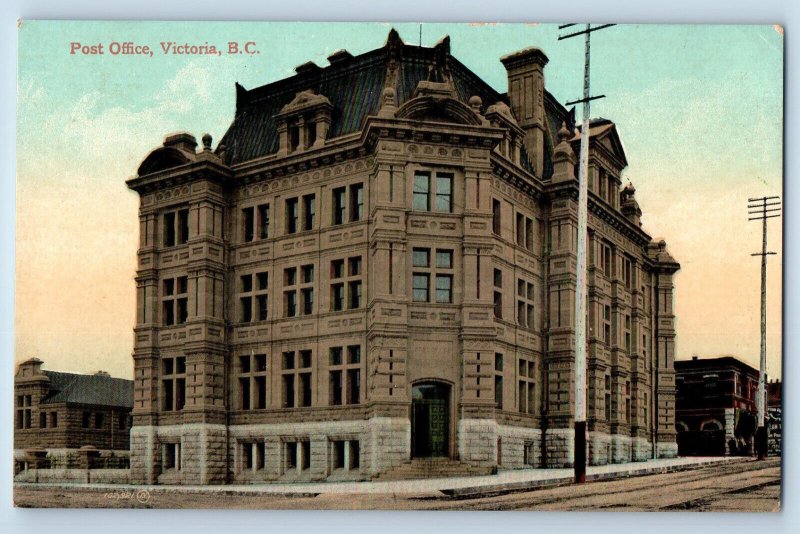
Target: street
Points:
(735, 487)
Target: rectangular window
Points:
(606, 257)
(311, 133)
(444, 259)
(526, 387)
(42, 419)
(339, 205)
(297, 375)
(183, 226)
(421, 257)
(171, 456)
(498, 294)
(248, 225)
(626, 273)
(307, 272)
(354, 266)
(288, 391)
(356, 202)
(354, 289)
(308, 300)
(309, 211)
(121, 420)
(422, 192)
(525, 304)
(444, 288)
(345, 375)
(337, 269)
(53, 419)
(99, 419)
(291, 455)
(253, 298)
(528, 233)
(253, 381)
(294, 136)
(176, 227)
(290, 303)
(263, 221)
(169, 229)
(520, 229)
(498, 380)
(86, 419)
(338, 454)
(174, 383)
(350, 279)
(444, 192)
(335, 388)
(175, 301)
(496, 217)
(420, 286)
(337, 297)
(291, 215)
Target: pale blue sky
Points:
(699, 109)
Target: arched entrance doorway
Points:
(430, 419)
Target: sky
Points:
(698, 108)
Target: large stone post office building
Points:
(377, 264)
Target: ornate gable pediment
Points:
(611, 141)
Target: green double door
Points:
(430, 425)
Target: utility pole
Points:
(761, 209)
(579, 461)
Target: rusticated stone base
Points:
(560, 443)
(389, 444)
(477, 442)
(270, 452)
(599, 448)
(642, 450)
(519, 447)
(667, 449)
(201, 456)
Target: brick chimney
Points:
(526, 94)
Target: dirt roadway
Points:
(745, 486)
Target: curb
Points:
(514, 487)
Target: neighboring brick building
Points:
(62, 412)
(716, 406)
(377, 263)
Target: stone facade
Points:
(377, 263)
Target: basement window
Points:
(171, 456)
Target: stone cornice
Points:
(516, 176)
(181, 174)
(613, 218)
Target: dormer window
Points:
(294, 137)
(500, 116)
(304, 122)
(311, 133)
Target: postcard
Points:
(398, 266)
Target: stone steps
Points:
(420, 468)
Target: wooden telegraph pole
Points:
(761, 209)
(580, 290)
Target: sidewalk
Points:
(504, 481)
